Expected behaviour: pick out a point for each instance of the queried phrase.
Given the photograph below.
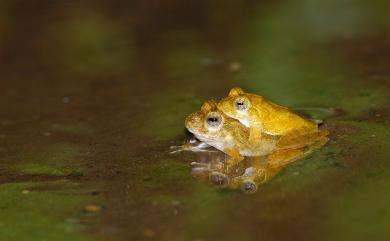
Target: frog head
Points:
(206, 123)
(237, 105)
(212, 126)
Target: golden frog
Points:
(264, 117)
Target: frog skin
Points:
(263, 116)
(226, 134)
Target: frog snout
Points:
(190, 120)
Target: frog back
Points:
(277, 120)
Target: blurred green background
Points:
(93, 93)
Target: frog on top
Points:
(263, 116)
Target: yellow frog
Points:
(212, 126)
(263, 116)
(226, 134)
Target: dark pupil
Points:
(213, 119)
(240, 103)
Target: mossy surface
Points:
(367, 198)
(28, 209)
(54, 160)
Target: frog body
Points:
(263, 116)
(226, 134)
(267, 132)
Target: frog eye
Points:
(241, 104)
(213, 120)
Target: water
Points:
(93, 94)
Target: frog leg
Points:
(200, 147)
(300, 138)
(254, 135)
(234, 156)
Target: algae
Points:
(59, 159)
(27, 212)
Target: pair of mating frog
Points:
(248, 125)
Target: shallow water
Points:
(92, 95)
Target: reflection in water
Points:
(246, 175)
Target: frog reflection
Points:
(246, 175)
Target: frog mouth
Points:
(197, 134)
(190, 130)
(194, 132)
(205, 137)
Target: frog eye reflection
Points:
(214, 120)
(241, 104)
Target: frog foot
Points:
(219, 179)
(202, 147)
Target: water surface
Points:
(93, 93)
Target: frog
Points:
(262, 116)
(213, 127)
